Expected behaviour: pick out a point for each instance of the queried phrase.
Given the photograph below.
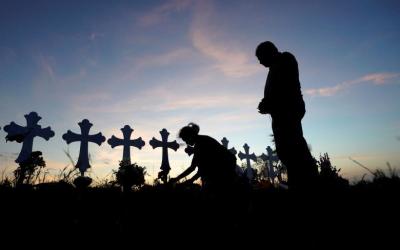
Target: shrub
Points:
(129, 175)
(330, 174)
(29, 170)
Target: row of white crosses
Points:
(270, 159)
(27, 134)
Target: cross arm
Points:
(253, 157)
(97, 138)
(71, 137)
(233, 151)
(15, 132)
(45, 133)
(173, 145)
(263, 157)
(241, 156)
(139, 143)
(274, 158)
(155, 143)
(114, 141)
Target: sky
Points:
(163, 64)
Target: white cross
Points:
(127, 143)
(225, 143)
(270, 158)
(27, 134)
(248, 157)
(165, 145)
(83, 160)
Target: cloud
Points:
(207, 39)
(161, 99)
(379, 78)
(93, 98)
(166, 58)
(327, 91)
(135, 66)
(94, 35)
(46, 66)
(48, 81)
(45, 80)
(375, 78)
(160, 13)
(207, 101)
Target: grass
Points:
(53, 205)
(155, 211)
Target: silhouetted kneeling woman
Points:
(215, 164)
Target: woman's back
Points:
(215, 163)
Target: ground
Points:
(357, 213)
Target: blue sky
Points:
(156, 64)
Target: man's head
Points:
(265, 53)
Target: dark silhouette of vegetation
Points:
(388, 181)
(329, 174)
(82, 182)
(59, 208)
(129, 175)
(29, 170)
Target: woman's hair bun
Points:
(194, 127)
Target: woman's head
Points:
(189, 133)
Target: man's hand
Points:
(263, 107)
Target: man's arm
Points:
(264, 107)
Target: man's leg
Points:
(282, 144)
(292, 150)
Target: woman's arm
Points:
(187, 171)
(194, 178)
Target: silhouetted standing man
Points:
(284, 102)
